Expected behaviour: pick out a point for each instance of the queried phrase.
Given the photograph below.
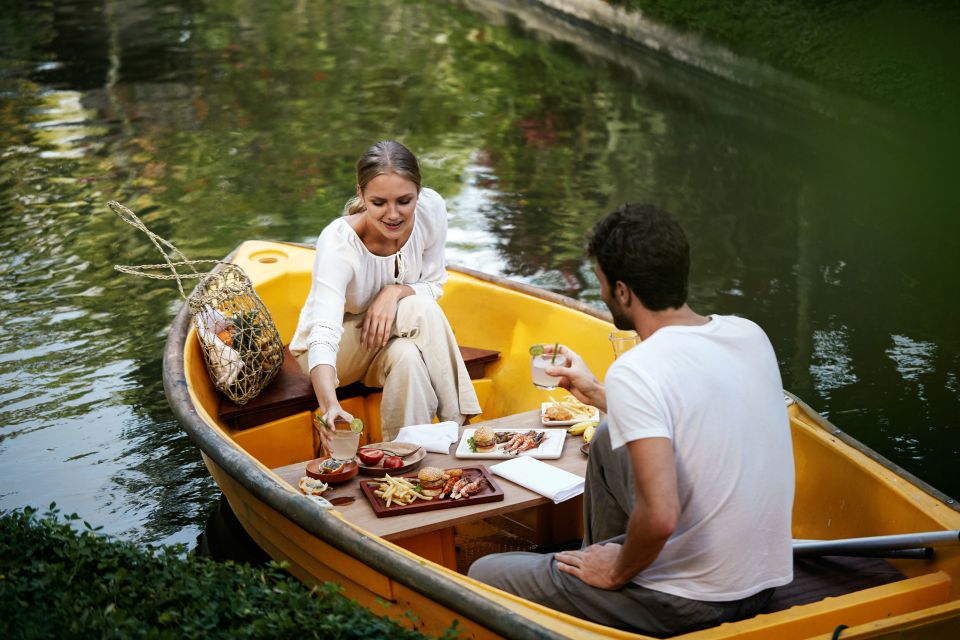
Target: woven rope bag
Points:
(240, 343)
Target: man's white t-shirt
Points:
(715, 391)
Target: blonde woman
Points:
(372, 313)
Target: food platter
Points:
(411, 454)
(566, 423)
(489, 491)
(550, 449)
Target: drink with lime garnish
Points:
(539, 362)
(345, 438)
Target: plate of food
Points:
(330, 470)
(566, 412)
(487, 442)
(431, 488)
(390, 457)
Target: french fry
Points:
(397, 491)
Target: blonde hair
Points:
(386, 156)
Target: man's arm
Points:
(656, 510)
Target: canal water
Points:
(832, 223)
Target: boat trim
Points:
(852, 442)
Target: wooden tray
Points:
(489, 492)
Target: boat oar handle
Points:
(875, 544)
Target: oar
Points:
(914, 543)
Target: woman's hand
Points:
(380, 316)
(327, 420)
(576, 377)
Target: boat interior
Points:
(841, 491)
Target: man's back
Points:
(715, 391)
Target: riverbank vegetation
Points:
(60, 578)
(894, 52)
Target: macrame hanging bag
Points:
(241, 346)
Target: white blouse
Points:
(347, 277)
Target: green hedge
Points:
(60, 580)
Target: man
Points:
(689, 488)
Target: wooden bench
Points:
(291, 391)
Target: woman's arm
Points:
(433, 272)
(323, 377)
(380, 315)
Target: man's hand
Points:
(576, 377)
(380, 316)
(596, 565)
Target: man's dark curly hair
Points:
(647, 250)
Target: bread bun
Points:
(431, 481)
(484, 439)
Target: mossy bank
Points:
(60, 579)
(896, 53)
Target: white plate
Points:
(550, 449)
(565, 423)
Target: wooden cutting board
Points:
(490, 491)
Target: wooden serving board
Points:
(489, 492)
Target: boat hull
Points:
(843, 488)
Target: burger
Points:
(431, 481)
(484, 439)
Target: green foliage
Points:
(57, 580)
(896, 53)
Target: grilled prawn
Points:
(469, 489)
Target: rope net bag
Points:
(241, 346)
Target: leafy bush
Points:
(58, 581)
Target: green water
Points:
(835, 228)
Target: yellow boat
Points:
(844, 490)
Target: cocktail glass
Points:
(622, 341)
(539, 362)
(343, 441)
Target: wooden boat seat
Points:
(291, 392)
(816, 578)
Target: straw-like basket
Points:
(240, 343)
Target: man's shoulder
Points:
(737, 327)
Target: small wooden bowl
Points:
(349, 470)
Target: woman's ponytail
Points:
(354, 205)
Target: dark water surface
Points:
(835, 228)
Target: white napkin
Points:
(545, 479)
(435, 438)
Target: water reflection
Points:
(235, 121)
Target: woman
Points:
(372, 312)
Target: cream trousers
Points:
(420, 369)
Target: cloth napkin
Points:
(545, 479)
(435, 438)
